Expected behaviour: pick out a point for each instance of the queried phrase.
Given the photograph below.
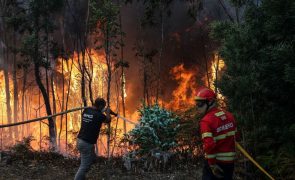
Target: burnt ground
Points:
(45, 165)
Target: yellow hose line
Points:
(252, 160)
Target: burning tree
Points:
(156, 13)
(37, 47)
(104, 15)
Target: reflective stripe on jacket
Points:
(218, 129)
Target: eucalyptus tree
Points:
(5, 58)
(123, 64)
(103, 20)
(155, 15)
(14, 20)
(36, 44)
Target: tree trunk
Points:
(160, 53)
(23, 96)
(90, 90)
(117, 119)
(123, 83)
(145, 72)
(15, 89)
(83, 47)
(62, 99)
(83, 84)
(123, 91)
(89, 72)
(7, 93)
(68, 95)
(53, 99)
(52, 133)
(216, 72)
(5, 69)
(108, 61)
(2, 122)
(206, 60)
(27, 100)
(82, 69)
(40, 122)
(145, 83)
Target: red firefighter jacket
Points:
(218, 129)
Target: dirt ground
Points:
(51, 166)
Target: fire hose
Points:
(54, 115)
(124, 119)
(40, 118)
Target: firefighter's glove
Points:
(217, 171)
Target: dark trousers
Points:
(227, 168)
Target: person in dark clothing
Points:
(92, 119)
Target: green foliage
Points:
(105, 14)
(37, 25)
(157, 130)
(27, 44)
(15, 15)
(188, 137)
(155, 9)
(103, 21)
(259, 78)
(122, 64)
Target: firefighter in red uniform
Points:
(218, 129)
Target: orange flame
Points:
(217, 68)
(69, 72)
(183, 94)
(67, 82)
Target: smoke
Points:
(186, 41)
(73, 24)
